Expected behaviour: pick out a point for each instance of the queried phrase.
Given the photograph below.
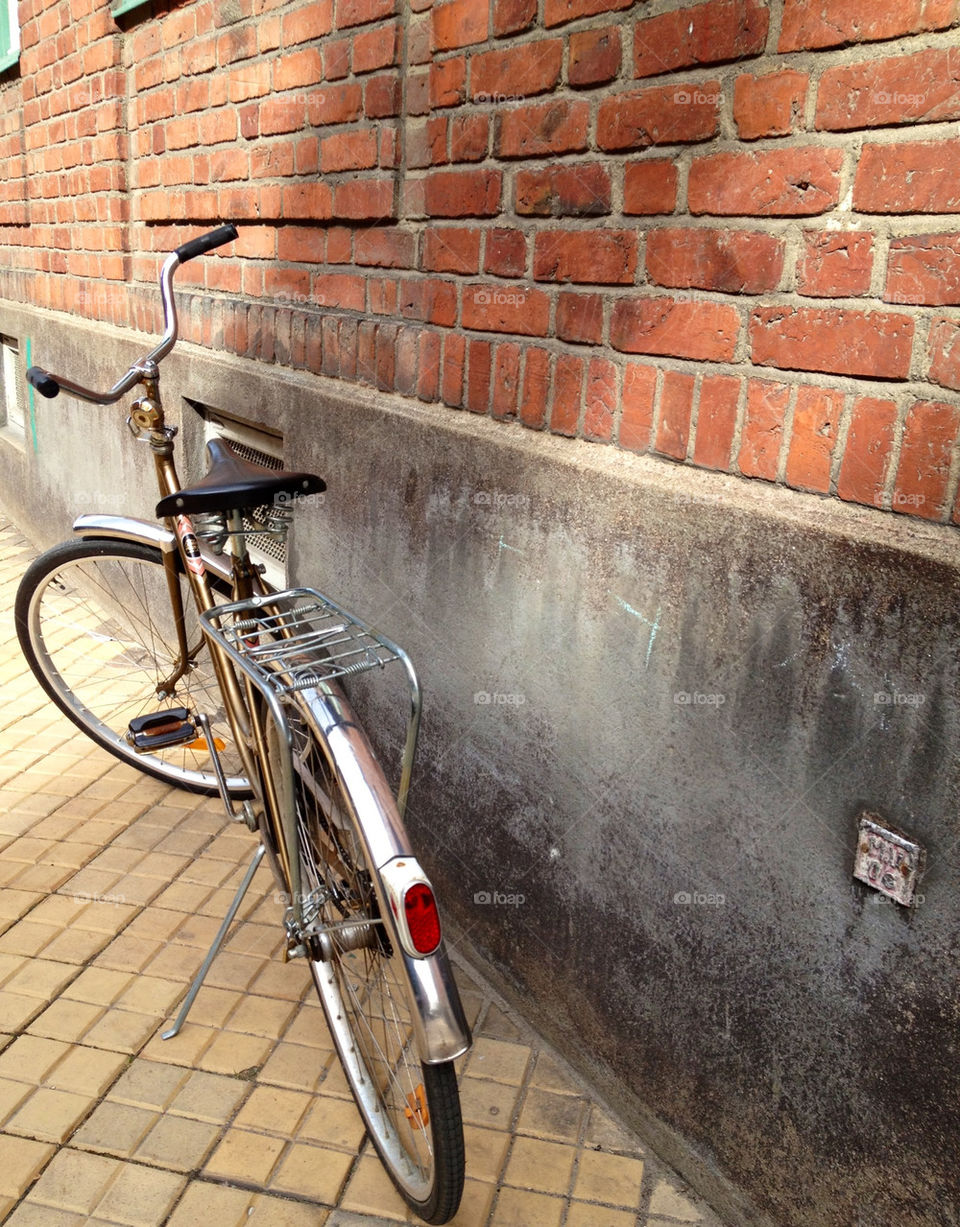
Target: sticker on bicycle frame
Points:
(191, 546)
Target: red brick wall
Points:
(726, 232)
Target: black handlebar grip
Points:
(45, 384)
(206, 242)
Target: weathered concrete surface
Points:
(792, 1048)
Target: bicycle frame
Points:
(441, 1031)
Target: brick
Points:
(918, 177)
(385, 357)
(705, 34)
(716, 421)
(302, 244)
(796, 182)
(506, 380)
(835, 263)
(594, 57)
(599, 400)
(377, 48)
(517, 72)
(296, 68)
(448, 82)
(358, 12)
(535, 388)
(734, 261)
(763, 429)
(418, 92)
(580, 318)
(334, 104)
(542, 129)
(512, 16)
(701, 330)
(868, 451)
(771, 105)
(382, 294)
(676, 407)
(454, 356)
(929, 437)
(426, 142)
(637, 405)
(603, 257)
(809, 24)
(924, 269)
(944, 350)
(816, 417)
(311, 201)
(567, 392)
(364, 200)
(505, 253)
(336, 59)
(381, 96)
(556, 12)
(921, 88)
(579, 190)
(469, 193)
(469, 137)
(659, 115)
(451, 249)
(430, 300)
(341, 290)
(428, 366)
(306, 23)
(459, 23)
(650, 187)
(506, 308)
(385, 248)
(872, 343)
(348, 151)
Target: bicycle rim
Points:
(411, 1110)
(96, 626)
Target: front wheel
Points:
(96, 626)
(411, 1110)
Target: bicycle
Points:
(176, 656)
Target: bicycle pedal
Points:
(161, 730)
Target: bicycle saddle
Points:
(232, 484)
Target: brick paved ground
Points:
(111, 888)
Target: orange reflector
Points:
(423, 921)
(416, 1110)
(201, 744)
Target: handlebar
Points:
(50, 385)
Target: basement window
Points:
(11, 399)
(9, 34)
(124, 6)
(259, 447)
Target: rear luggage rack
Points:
(298, 639)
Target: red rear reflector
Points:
(420, 909)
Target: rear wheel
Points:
(96, 626)
(411, 1110)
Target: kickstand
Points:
(215, 947)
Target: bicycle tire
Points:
(93, 618)
(411, 1110)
